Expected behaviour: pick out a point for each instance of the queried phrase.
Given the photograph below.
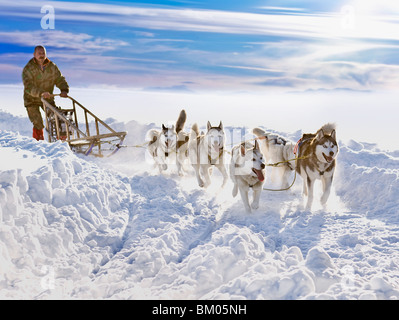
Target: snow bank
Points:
(370, 181)
(62, 220)
(9, 122)
(75, 227)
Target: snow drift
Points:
(75, 227)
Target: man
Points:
(39, 76)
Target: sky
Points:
(199, 45)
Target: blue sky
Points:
(194, 45)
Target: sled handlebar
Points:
(55, 95)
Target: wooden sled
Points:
(63, 124)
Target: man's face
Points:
(40, 55)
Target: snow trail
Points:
(75, 227)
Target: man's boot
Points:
(38, 134)
(41, 136)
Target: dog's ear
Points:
(163, 127)
(209, 126)
(221, 125)
(256, 144)
(333, 135)
(320, 134)
(243, 151)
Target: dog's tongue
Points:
(259, 174)
(328, 159)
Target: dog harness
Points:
(297, 146)
(212, 162)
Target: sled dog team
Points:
(312, 157)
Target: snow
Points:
(76, 227)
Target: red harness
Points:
(298, 144)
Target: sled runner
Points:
(63, 124)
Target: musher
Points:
(39, 77)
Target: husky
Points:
(247, 170)
(169, 142)
(207, 150)
(277, 149)
(319, 151)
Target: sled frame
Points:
(63, 124)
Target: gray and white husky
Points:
(247, 170)
(207, 150)
(277, 149)
(170, 142)
(320, 151)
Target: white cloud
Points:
(317, 25)
(81, 42)
(282, 9)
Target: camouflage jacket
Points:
(36, 81)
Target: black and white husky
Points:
(170, 142)
(207, 150)
(247, 170)
(319, 151)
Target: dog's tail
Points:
(181, 121)
(193, 146)
(259, 132)
(194, 131)
(151, 136)
(262, 135)
(328, 128)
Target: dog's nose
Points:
(331, 153)
(263, 166)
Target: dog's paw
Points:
(255, 206)
(164, 167)
(248, 210)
